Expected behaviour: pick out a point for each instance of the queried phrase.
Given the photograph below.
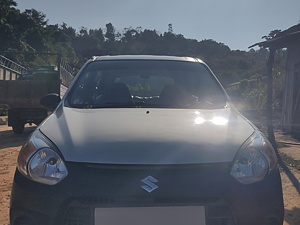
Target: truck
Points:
(21, 90)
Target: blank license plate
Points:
(173, 215)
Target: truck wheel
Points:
(18, 128)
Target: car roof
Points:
(145, 57)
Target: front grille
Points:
(81, 212)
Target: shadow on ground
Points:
(7, 136)
(289, 216)
(290, 175)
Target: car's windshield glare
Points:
(141, 83)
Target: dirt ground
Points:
(10, 145)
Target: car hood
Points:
(147, 136)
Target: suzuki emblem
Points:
(149, 184)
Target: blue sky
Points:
(236, 23)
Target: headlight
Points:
(39, 161)
(255, 160)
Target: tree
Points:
(5, 8)
(35, 33)
(88, 42)
(271, 35)
(7, 14)
(110, 33)
(30, 32)
(129, 35)
(170, 28)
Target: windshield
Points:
(146, 83)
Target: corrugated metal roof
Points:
(283, 39)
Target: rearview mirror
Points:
(50, 101)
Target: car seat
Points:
(174, 96)
(117, 93)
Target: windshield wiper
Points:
(141, 104)
(117, 105)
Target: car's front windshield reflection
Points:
(141, 83)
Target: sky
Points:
(236, 23)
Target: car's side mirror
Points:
(50, 101)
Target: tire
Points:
(18, 128)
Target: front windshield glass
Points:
(146, 83)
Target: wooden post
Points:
(269, 109)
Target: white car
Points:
(146, 140)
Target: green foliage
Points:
(271, 35)
(29, 33)
(139, 87)
(255, 98)
(253, 89)
(110, 33)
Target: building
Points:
(289, 39)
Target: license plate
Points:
(174, 215)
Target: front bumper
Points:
(89, 186)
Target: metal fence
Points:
(66, 73)
(9, 70)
